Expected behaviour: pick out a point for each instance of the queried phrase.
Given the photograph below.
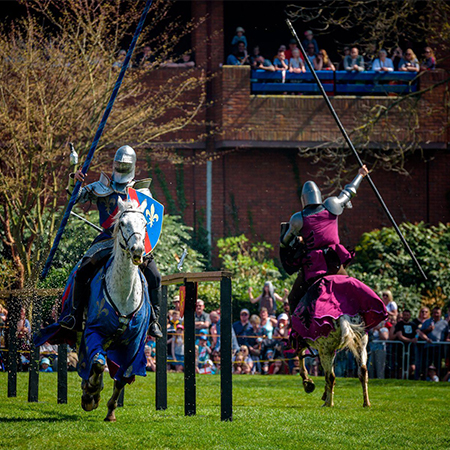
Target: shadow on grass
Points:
(56, 418)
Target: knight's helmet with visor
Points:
(311, 194)
(124, 165)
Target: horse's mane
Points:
(127, 205)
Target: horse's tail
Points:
(352, 334)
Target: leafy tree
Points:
(382, 263)
(250, 266)
(56, 76)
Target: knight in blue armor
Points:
(105, 194)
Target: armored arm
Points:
(337, 204)
(292, 231)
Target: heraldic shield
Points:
(154, 213)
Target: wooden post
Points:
(189, 350)
(161, 356)
(13, 313)
(226, 383)
(33, 376)
(62, 373)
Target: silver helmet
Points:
(311, 194)
(124, 165)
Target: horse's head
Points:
(129, 230)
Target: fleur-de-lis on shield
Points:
(151, 216)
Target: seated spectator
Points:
(177, 348)
(388, 300)
(149, 355)
(175, 320)
(411, 63)
(145, 59)
(242, 363)
(254, 54)
(354, 62)
(215, 358)
(239, 37)
(214, 317)
(282, 330)
(289, 53)
(310, 40)
(261, 63)
(296, 64)
(432, 374)
(239, 56)
(185, 62)
(280, 62)
(397, 58)
(268, 298)
(204, 351)
(120, 59)
(429, 62)
(45, 365)
(243, 329)
(323, 61)
(202, 321)
(346, 52)
(383, 63)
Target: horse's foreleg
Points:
(94, 385)
(112, 402)
(362, 371)
(308, 384)
(327, 360)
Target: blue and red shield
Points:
(154, 213)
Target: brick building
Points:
(253, 179)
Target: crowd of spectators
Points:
(291, 59)
(419, 346)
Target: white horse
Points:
(121, 299)
(349, 333)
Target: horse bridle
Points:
(125, 247)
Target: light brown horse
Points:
(349, 333)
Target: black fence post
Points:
(226, 383)
(161, 357)
(62, 373)
(33, 377)
(13, 317)
(189, 350)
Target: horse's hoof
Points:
(366, 405)
(327, 405)
(90, 402)
(309, 386)
(110, 418)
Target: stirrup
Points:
(68, 322)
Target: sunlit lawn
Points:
(270, 412)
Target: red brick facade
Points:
(256, 170)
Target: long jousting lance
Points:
(350, 144)
(97, 137)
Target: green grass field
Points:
(270, 412)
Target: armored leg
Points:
(153, 278)
(81, 289)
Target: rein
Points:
(125, 247)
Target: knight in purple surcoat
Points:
(309, 242)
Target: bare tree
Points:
(56, 75)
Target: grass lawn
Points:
(270, 412)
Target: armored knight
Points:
(105, 194)
(310, 243)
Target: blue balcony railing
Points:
(334, 83)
